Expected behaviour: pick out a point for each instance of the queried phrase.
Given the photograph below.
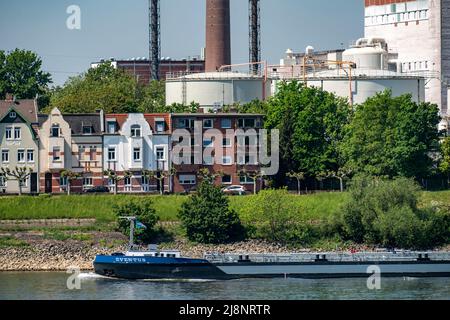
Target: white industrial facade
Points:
(418, 33)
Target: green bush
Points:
(273, 216)
(143, 210)
(207, 218)
(386, 212)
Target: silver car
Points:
(234, 190)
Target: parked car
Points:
(98, 189)
(234, 190)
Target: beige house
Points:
(70, 142)
(19, 144)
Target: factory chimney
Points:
(218, 34)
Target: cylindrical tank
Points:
(216, 89)
(218, 34)
(366, 57)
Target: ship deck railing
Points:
(329, 257)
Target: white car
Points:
(234, 190)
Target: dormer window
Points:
(87, 129)
(12, 115)
(111, 127)
(160, 125)
(136, 131)
(55, 131)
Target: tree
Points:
(160, 176)
(144, 212)
(21, 75)
(311, 123)
(153, 99)
(19, 174)
(115, 178)
(103, 87)
(392, 136)
(299, 176)
(254, 175)
(193, 107)
(71, 176)
(341, 174)
(207, 218)
(444, 165)
(204, 174)
(273, 216)
(387, 213)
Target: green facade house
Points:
(19, 145)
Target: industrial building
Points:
(357, 73)
(140, 68)
(417, 31)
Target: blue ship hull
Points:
(182, 268)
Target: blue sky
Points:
(119, 28)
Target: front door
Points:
(34, 183)
(48, 183)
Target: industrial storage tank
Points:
(215, 89)
(364, 71)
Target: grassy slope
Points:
(312, 207)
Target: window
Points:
(187, 179)
(247, 123)
(63, 181)
(55, 131)
(246, 180)
(17, 133)
(2, 181)
(226, 142)
(87, 129)
(111, 154)
(111, 127)
(5, 156)
(226, 161)
(8, 133)
(20, 155)
(225, 123)
(208, 124)
(226, 179)
(208, 143)
(81, 152)
(137, 154)
(30, 155)
(136, 131)
(12, 115)
(92, 153)
(160, 154)
(186, 123)
(160, 126)
(24, 183)
(87, 182)
(56, 154)
(208, 160)
(127, 181)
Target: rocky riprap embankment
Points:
(51, 255)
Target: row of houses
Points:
(130, 145)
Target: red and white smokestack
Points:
(218, 34)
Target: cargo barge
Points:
(155, 264)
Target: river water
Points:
(53, 285)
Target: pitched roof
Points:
(27, 108)
(78, 121)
